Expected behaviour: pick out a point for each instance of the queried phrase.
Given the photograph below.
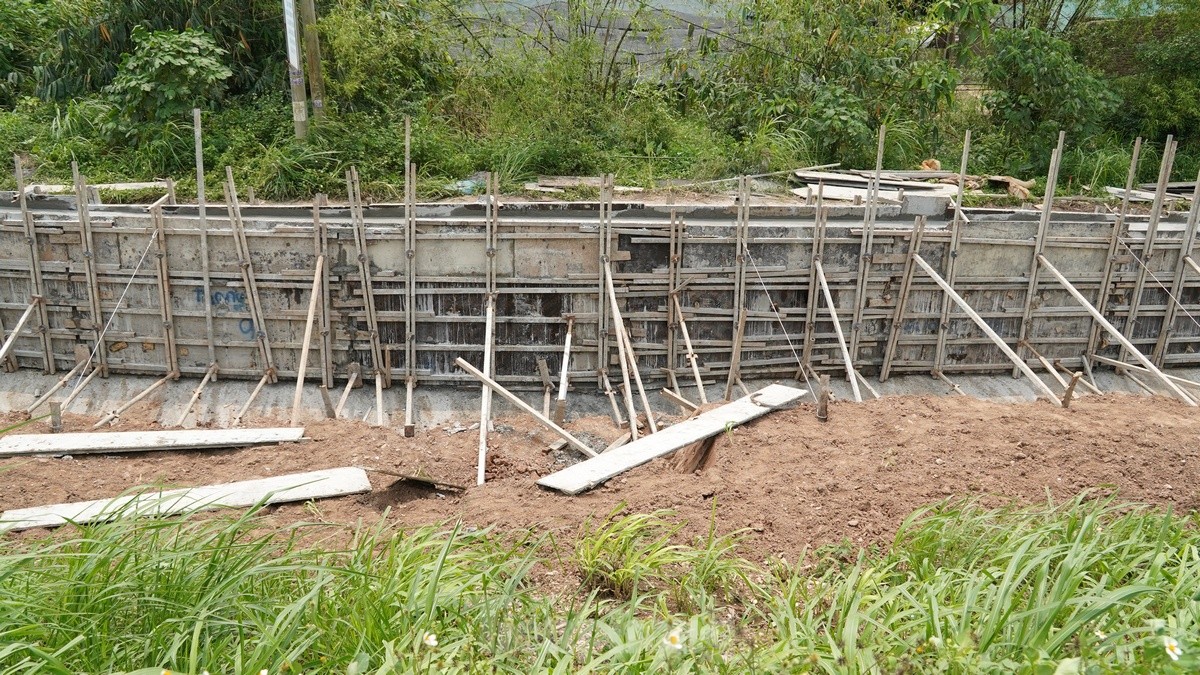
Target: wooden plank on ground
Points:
(294, 487)
(588, 474)
(143, 441)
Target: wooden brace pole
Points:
(525, 407)
(116, 414)
(302, 369)
(210, 374)
(987, 330)
(837, 327)
(1141, 358)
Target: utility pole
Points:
(312, 57)
(295, 69)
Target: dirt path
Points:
(793, 481)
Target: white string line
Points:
(117, 308)
(779, 318)
(1178, 303)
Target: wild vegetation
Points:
(556, 89)
(1087, 586)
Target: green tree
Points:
(168, 74)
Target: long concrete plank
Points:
(143, 441)
(588, 474)
(276, 490)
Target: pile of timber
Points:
(158, 502)
(859, 186)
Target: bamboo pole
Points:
(485, 396)
(691, 353)
(164, 287)
(630, 359)
(735, 359)
(378, 401)
(914, 247)
(612, 398)
(202, 214)
(1110, 262)
(837, 327)
(1075, 377)
(1164, 175)
(956, 228)
(525, 407)
(1129, 366)
(312, 57)
(62, 382)
(115, 415)
(1177, 286)
(302, 369)
(1040, 245)
(295, 69)
(354, 377)
(560, 407)
(16, 332)
(987, 330)
(36, 284)
(89, 260)
(1087, 385)
(79, 388)
(208, 375)
(867, 249)
(237, 419)
(364, 271)
(1141, 358)
(248, 277)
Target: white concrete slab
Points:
(142, 441)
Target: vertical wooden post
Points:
(1071, 389)
(295, 69)
(164, 298)
(866, 251)
(202, 213)
(485, 401)
(248, 278)
(602, 319)
(312, 57)
(914, 247)
(674, 259)
(325, 327)
(810, 314)
(1110, 262)
(1185, 252)
(36, 286)
(410, 283)
(823, 400)
(89, 260)
(1039, 247)
(837, 327)
(619, 329)
(1160, 190)
(55, 417)
(956, 228)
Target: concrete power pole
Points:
(312, 57)
(295, 69)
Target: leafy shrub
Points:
(167, 75)
(1037, 89)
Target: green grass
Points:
(1086, 586)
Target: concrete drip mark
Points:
(116, 308)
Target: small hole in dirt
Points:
(401, 492)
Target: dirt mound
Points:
(792, 481)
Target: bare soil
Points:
(791, 481)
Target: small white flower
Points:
(673, 640)
(1101, 634)
(935, 642)
(429, 639)
(1172, 647)
(263, 672)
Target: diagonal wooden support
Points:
(364, 271)
(210, 374)
(16, 332)
(237, 419)
(837, 327)
(987, 330)
(1141, 358)
(62, 382)
(305, 346)
(525, 407)
(630, 359)
(691, 353)
(115, 415)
